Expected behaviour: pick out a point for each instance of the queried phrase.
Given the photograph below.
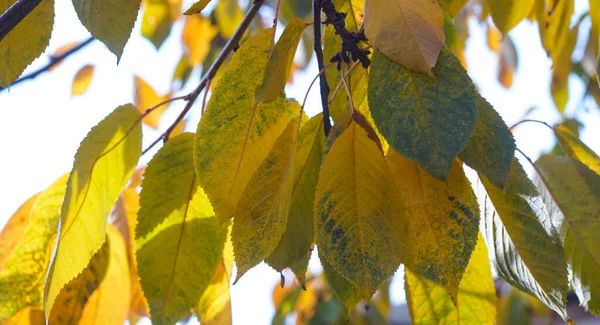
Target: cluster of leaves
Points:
(260, 181)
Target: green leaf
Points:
(439, 221)
(156, 21)
(575, 148)
(197, 7)
(429, 303)
(110, 21)
(22, 278)
(428, 120)
(572, 192)
(491, 147)
(280, 62)
(348, 293)
(261, 216)
(299, 234)
(452, 7)
(525, 248)
(103, 164)
(506, 14)
(235, 134)
(26, 41)
(355, 224)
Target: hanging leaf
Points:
(356, 227)
(525, 248)
(410, 32)
(229, 15)
(278, 67)
(429, 303)
(24, 271)
(82, 80)
(103, 164)
(575, 148)
(157, 21)
(493, 38)
(452, 7)
(507, 14)
(508, 62)
(179, 244)
(348, 293)
(236, 133)
(61, 50)
(299, 234)
(491, 147)
(572, 193)
(196, 37)
(183, 71)
(197, 7)
(553, 19)
(110, 21)
(440, 221)
(427, 120)
(13, 230)
(261, 216)
(26, 41)
(145, 98)
(561, 70)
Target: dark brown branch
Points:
(54, 60)
(15, 14)
(322, 77)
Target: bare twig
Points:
(350, 104)
(15, 14)
(534, 121)
(313, 81)
(319, 53)
(54, 60)
(339, 85)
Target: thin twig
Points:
(15, 14)
(350, 104)
(54, 60)
(534, 121)
(319, 54)
(313, 81)
(275, 22)
(339, 85)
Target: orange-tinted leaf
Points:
(82, 80)
(145, 98)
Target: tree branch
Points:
(322, 77)
(15, 14)
(54, 60)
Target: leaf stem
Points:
(313, 81)
(350, 104)
(534, 121)
(319, 53)
(15, 14)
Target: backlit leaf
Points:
(82, 80)
(197, 7)
(229, 15)
(103, 164)
(493, 38)
(573, 147)
(348, 293)
(440, 221)
(110, 21)
(178, 255)
(61, 50)
(491, 147)
(27, 316)
(145, 98)
(261, 215)
(299, 234)
(22, 278)
(236, 133)
(196, 36)
(156, 21)
(561, 70)
(524, 246)
(452, 7)
(425, 119)
(554, 17)
(26, 41)
(410, 32)
(507, 62)
(506, 14)
(572, 193)
(356, 224)
(13, 230)
(183, 70)
(429, 303)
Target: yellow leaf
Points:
(82, 80)
(197, 34)
(26, 41)
(156, 22)
(506, 14)
(197, 7)
(262, 212)
(429, 303)
(452, 7)
(90, 297)
(280, 62)
(235, 134)
(440, 220)
(145, 98)
(13, 230)
(178, 129)
(103, 164)
(507, 62)
(22, 278)
(178, 255)
(575, 148)
(554, 17)
(61, 50)
(410, 32)
(493, 38)
(229, 15)
(561, 69)
(356, 223)
(110, 21)
(27, 316)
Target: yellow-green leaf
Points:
(561, 68)
(554, 18)
(229, 15)
(410, 32)
(348, 293)
(235, 134)
(356, 223)
(506, 14)
(573, 147)
(491, 147)
(22, 278)
(110, 21)
(196, 38)
(157, 21)
(82, 80)
(197, 7)
(103, 164)
(440, 221)
(525, 248)
(572, 193)
(178, 257)
(26, 41)
(429, 303)
(13, 230)
(452, 7)
(261, 215)
(299, 234)
(145, 98)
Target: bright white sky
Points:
(41, 125)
